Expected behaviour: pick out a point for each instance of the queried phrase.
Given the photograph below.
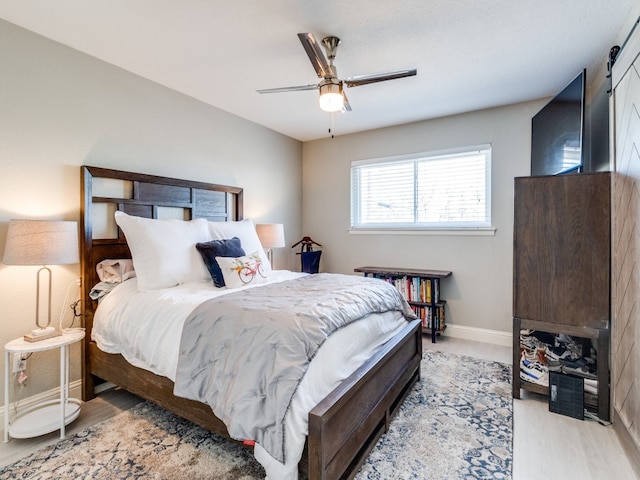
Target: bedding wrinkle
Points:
(259, 344)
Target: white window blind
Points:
(429, 190)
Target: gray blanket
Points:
(245, 353)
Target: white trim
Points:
(443, 153)
(475, 232)
(363, 200)
(103, 387)
(75, 391)
(496, 337)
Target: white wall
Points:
(60, 109)
(479, 294)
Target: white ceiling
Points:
(470, 54)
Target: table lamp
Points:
(42, 242)
(271, 236)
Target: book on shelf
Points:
(430, 315)
(416, 289)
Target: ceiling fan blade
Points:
(299, 88)
(378, 77)
(346, 107)
(317, 58)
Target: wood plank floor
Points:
(546, 445)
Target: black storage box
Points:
(566, 395)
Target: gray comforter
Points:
(245, 353)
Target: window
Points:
(438, 190)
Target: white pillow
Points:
(241, 271)
(245, 230)
(164, 251)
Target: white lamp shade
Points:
(331, 99)
(271, 235)
(41, 242)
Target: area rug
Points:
(455, 424)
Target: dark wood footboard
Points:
(154, 388)
(346, 425)
(343, 428)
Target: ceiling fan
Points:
(332, 96)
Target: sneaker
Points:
(586, 371)
(573, 362)
(534, 372)
(591, 386)
(531, 348)
(544, 337)
(528, 342)
(554, 365)
(557, 353)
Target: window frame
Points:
(431, 228)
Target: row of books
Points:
(430, 315)
(416, 289)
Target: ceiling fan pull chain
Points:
(331, 127)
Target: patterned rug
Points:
(455, 424)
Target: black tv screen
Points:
(557, 132)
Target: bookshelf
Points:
(421, 289)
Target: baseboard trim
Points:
(496, 337)
(75, 391)
(631, 448)
(103, 387)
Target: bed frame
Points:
(343, 428)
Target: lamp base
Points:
(37, 335)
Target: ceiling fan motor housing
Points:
(330, 46)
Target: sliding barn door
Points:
(626, 244)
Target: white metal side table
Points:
(48, 416)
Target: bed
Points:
(342, 428)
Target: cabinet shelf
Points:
(421, 290)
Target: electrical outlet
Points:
(19, 363)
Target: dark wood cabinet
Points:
(561, 265)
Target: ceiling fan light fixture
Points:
(331, 99)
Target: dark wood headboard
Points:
(144, 196)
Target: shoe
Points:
(591, 386)
(544, 337)
(586, 371)
(532, 349)
(529, 342)
(573, 362)
(534, 372)
(554, 365)
(557, 353)
(541, 356)
(564, 338)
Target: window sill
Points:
(473, 232)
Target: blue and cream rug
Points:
(455, 424)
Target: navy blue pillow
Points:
(219, 248)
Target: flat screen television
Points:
(557, 132)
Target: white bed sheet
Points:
(145, 327)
